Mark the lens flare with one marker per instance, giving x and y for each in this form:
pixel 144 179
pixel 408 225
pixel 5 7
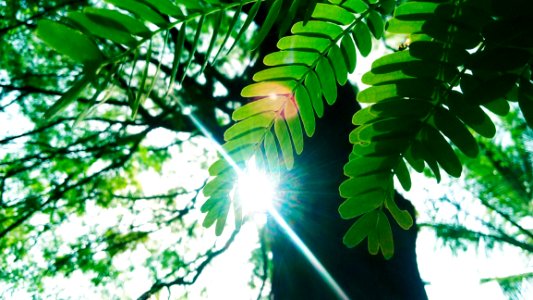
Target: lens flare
pixel 255 189
pixel 313 260
pixel 260 191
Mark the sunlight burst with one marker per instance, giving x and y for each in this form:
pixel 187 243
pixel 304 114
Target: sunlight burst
pixel 255 189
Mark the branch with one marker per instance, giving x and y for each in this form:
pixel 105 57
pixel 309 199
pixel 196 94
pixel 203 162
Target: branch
pixel 209 256
pixel 63 188
pixel 503 238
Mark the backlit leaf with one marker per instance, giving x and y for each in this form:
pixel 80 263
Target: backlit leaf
pixel 327 80
pixel 282 133
pixel 79 47
pixel 359 230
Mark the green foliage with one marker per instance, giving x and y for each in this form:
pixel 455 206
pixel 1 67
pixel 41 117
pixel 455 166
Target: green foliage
pixel 460 62
pixel 319 54
pixel 415 99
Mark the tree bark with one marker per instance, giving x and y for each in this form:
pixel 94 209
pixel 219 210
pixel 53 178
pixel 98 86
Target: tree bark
pixel 309 200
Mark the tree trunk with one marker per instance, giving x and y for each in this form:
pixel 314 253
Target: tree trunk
pixel 308 202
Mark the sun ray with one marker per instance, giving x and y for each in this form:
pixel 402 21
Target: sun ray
pixel 258 192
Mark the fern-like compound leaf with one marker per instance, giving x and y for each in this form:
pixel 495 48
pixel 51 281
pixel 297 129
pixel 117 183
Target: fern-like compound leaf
pixel 104 39
pixel 424 99
pixel 289 94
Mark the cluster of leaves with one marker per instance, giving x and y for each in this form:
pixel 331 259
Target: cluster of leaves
pixel 456 62
pixel 417 102
pixel 319 54
pixel 105 40
pixel 461 58
pixel 57 179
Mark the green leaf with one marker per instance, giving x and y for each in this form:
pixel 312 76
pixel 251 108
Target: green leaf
pixel 415 161
pixel 271 17
pixel 222 183
pixel 420 150
pixel 315 44
pixel 194 46
pixel 471 114
pixel 356 6
pixel 368 165
pixel 139 97
pixel 249 138
pixel 262 120
pixel 141 10
pixel 348 52
pixel 305 110
pixel 332 13
pixel 384 231
pixel 237 211
pixel 498 59
pixel 373 242
pixel 79 47
pixel 456 131
pixel 293 122
pixel 282 133
pixel 71 95
pixel 271 152
pixel 316 27
pixel 165 7
pixel 221 220
pixel 178 49
pixel 213 212
pixel 208 205
pixel 498 106
pixel 106 31
pixel 258 107
pixel 229 31
pixel 289 17
pixel 127 22
pixel 268 88
pixel 412 88
pixel 363 39
pixel 384 129
pixel 327 80
pixel 387 6
pixel 399 26
pixel 413 109
pixel 402 173
pixel 399 57
pixel 381 147
pixel 415 10
pixel 375 24
pixel 218 167
pixel 402 217
pixel 410 70
pixel 337 62
pixel 435 51
pixel 251 15
pixel 213 39
pixel 442 151
pixel 290 57
pixel 281 73
pixel 362 204
pixel 359 230
pixel 315 93
pixel 363 184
